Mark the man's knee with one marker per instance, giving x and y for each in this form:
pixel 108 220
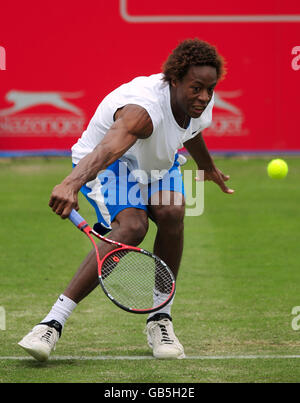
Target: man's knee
pixel 137 228
pixel 133 227
pixel 170 216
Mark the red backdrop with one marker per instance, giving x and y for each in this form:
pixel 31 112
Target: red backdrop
pixel 62 58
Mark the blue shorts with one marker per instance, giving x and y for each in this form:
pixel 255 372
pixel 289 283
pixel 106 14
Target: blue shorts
pixel 116 189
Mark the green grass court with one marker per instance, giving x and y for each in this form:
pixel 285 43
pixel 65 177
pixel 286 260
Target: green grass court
pixel 238 283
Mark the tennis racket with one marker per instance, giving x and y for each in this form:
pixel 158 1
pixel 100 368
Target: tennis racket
pixel 133 278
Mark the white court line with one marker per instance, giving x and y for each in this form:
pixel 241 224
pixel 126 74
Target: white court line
pixel 146 357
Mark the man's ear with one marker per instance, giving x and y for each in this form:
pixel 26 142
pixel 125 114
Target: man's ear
pixel 173 83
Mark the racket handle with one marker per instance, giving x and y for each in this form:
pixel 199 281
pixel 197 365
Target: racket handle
pixel 76 218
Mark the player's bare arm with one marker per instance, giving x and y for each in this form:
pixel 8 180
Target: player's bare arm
pixel 132 122
pixel 199 152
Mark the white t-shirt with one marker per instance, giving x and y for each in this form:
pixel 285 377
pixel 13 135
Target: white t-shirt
pixel 154 155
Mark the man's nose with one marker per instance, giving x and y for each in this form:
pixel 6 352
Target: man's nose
pixel 203 96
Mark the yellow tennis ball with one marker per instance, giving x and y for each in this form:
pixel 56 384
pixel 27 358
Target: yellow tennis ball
pixel 277 169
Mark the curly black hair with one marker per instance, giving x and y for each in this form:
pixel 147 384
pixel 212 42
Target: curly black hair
pixel 192 52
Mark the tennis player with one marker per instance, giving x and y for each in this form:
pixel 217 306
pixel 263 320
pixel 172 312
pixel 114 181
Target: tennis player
pixel 133 140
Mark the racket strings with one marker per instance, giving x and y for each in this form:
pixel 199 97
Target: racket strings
pixel 134 279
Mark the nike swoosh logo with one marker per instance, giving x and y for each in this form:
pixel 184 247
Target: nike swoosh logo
pixel 61 299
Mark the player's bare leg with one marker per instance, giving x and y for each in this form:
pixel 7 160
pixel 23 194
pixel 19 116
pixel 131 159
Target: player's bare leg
pixel 168 246
pixel 169 219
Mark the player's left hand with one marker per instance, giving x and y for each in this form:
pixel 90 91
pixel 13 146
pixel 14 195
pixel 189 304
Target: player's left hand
pixel 217 176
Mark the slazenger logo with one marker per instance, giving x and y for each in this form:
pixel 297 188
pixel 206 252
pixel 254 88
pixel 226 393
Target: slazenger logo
pixel 228 119
pixel 13 120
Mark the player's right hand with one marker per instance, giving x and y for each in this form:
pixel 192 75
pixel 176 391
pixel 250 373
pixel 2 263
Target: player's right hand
pixel 63 199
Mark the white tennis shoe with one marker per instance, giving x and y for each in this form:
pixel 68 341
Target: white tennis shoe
pixel 41 340
pixel 161 338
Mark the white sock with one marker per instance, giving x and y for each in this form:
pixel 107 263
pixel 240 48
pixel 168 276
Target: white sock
pixel 159 298
pixel 61 310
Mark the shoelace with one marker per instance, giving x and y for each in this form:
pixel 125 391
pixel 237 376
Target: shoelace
pixel 165 337
pixel 47 336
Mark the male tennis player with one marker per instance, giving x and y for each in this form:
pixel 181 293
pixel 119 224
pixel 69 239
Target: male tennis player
pixel 133 139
